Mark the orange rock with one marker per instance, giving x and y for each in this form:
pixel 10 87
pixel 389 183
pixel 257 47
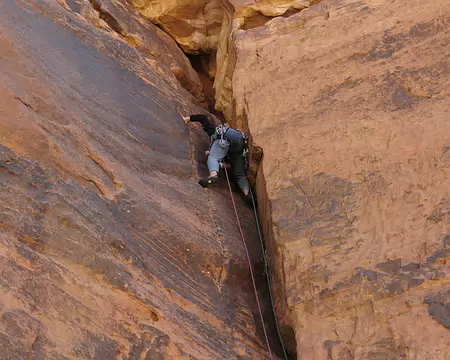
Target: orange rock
pixel 109 249
pixel 244 15
pixel 120 19
pixel 195 25
pixel 349 101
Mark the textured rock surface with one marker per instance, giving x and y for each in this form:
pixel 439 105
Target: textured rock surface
pixel 243 15
pixel 109 248
pixel 350 101
pixel 194 24
pixel 122 20
pixel 197 24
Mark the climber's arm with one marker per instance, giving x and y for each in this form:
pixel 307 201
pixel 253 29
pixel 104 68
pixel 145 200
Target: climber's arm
pixel 207 123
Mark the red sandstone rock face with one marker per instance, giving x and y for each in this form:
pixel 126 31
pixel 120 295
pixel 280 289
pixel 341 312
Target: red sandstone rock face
pixel 197 24
pixel 120 19
pixel 109 248
pixel 194 24
pixel 350 101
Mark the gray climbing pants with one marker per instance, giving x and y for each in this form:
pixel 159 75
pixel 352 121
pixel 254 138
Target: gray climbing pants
pixel 217 154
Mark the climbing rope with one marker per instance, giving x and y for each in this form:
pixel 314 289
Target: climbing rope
pixel 250 265
pixel 266 267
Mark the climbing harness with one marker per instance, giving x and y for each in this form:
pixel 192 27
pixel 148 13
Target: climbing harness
pixel 224 143
pixel 220 134
pixel 250 265
pixel 266 268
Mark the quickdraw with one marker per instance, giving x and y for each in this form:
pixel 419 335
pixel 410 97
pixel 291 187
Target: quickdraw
pixel 245 151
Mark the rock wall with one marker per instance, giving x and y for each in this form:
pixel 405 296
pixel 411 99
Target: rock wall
pixel 197 24
pixel 194 24
pixel 109 248
pixel 243 15
pixel 350 102
pixel 120 19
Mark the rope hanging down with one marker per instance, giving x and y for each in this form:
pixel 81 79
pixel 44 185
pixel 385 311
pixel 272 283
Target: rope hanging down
pixel 266 268
pixel 250 265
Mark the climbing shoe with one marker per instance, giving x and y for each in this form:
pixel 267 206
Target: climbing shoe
pixel 205 182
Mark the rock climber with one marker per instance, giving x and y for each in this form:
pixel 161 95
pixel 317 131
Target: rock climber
pixel 225 142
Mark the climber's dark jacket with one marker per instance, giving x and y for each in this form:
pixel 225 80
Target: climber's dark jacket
pixel 234 152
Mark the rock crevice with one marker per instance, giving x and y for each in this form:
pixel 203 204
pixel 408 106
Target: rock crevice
pixel 128 266
pixel 340 114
